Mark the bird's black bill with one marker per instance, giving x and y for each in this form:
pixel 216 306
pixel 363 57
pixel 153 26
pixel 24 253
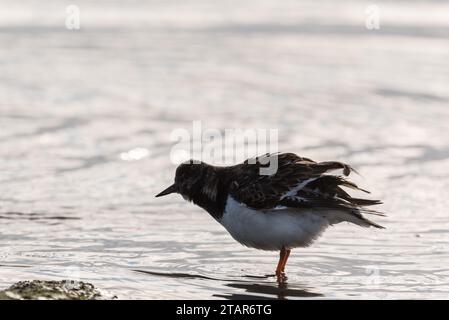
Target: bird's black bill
pixel 169 190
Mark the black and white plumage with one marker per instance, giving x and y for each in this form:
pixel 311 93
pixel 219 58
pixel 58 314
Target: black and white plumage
pixel 287 209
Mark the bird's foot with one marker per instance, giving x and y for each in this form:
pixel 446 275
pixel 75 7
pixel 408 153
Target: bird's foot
pixel 281 276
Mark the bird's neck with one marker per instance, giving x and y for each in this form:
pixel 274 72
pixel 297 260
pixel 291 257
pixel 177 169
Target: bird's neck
pixel 212 192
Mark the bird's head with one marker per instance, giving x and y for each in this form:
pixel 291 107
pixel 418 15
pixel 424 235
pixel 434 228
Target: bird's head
pixel 188 179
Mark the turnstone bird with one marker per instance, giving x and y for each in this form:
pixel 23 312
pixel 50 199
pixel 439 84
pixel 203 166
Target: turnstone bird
pixel 287 209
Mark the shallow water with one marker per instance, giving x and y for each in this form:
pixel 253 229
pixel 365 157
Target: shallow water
pixel 77 202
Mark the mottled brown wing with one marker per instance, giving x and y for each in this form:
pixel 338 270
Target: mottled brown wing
pixel 282 188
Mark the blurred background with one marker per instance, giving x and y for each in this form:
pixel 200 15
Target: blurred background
pixel 90 92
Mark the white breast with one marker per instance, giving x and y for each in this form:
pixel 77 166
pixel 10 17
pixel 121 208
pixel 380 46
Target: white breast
pixel 272 229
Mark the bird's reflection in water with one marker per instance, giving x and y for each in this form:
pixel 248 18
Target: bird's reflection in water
pixel 259 287
pixel 267 290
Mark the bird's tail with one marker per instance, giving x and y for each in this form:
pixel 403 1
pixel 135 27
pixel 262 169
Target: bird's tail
pixel 353 216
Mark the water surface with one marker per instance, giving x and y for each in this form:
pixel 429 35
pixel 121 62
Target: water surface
pixel 75 202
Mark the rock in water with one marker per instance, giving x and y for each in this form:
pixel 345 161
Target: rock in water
pixel 53 290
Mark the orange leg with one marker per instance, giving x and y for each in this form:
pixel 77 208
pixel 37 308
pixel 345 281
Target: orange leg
pixel 287 254
pixel 283 257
